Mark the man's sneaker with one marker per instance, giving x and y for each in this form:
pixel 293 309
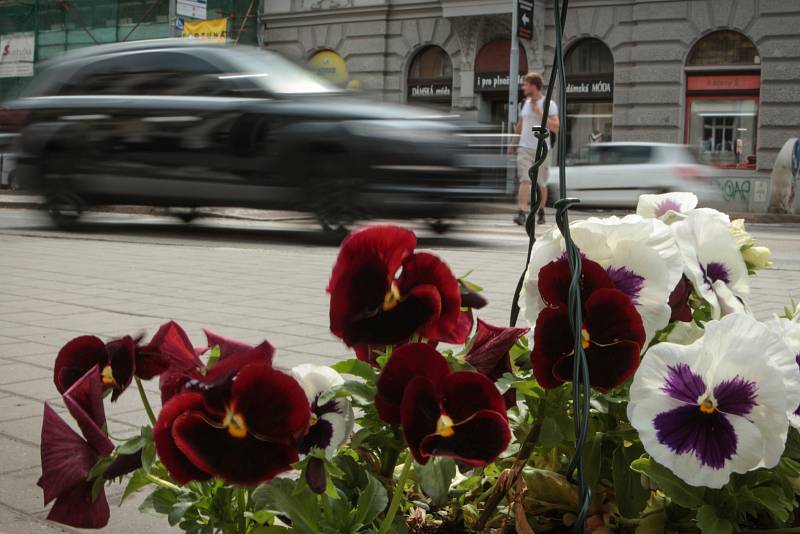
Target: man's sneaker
pixel 540 216
pixel 520 218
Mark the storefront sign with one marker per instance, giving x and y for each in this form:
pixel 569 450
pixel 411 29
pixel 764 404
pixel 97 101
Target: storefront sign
pixel 330 65
pixel 420 90
pixel 214 29
pixel 725 82
pixel 525 19
pixel 590 88
pixel 497 81
pixel 196 9
pixel 17 54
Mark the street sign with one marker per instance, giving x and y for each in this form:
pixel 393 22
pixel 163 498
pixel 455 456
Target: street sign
pixel 195 9
pixel 179 24
pixel 525 19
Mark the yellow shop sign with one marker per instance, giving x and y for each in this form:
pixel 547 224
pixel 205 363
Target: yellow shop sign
pixel 214 29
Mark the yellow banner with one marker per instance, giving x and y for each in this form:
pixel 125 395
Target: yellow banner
pixel 214 29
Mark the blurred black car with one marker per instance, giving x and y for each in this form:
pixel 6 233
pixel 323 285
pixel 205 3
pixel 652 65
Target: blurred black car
pixel 181 124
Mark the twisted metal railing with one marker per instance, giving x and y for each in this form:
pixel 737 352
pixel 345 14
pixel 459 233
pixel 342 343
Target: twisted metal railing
pixel 581 394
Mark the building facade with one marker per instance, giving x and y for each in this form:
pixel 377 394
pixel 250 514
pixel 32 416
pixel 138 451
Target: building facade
pixel 719 75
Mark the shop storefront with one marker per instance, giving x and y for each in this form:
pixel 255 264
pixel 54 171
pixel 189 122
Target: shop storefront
pixel 589 68
pixel 430 79
pixel 492 79
pixel 723 82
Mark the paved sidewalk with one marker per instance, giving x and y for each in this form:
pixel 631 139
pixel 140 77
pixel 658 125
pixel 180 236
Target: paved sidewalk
pixel 55 286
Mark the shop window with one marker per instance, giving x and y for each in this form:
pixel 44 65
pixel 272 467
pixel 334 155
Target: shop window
pixel 430 79
pixel 589 67
pixel 722 102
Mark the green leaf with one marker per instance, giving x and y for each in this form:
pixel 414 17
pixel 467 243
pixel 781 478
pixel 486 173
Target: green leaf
pixel 160 501
pixel 435 478
pixel 301 507
pixel 213 356
pixel 261 517
pixel 273 529
pixel 372 501
pixel 148 456
pixel 775 501
pixel 551 435
pixel 97 486
pixel 593 459
pixel 135 483
pixel 631 496
pixel 710 523
pixel 360 392
pixel 676 489
pixel 99 468
pixel 177 512
pixel 356 368
pixel 132 445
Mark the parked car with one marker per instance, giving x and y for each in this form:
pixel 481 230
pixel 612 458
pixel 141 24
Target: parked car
pixel 184 124
pixel 615 174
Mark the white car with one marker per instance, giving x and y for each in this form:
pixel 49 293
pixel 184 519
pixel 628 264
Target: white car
pixel 615 174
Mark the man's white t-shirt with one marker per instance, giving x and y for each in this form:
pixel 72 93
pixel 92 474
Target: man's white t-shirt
pixel 531 119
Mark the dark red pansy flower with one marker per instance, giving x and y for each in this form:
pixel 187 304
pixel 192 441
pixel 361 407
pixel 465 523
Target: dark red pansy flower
pixel 116 361
pixel 679 301
pixel 189 367
pixel 406 363
pixel 170 348
pixel 240 426
pixel 67 457
pixel 382 292
pixel 459 415
pixel 490 352
pixel 612 335
pixel 470 300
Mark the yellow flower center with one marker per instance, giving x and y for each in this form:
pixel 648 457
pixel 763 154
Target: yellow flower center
pixel 707 406
pixel 235 424
pixel 313 420
pixel 584 338
pixel 444 426
pixel 392 298
pixel 107 375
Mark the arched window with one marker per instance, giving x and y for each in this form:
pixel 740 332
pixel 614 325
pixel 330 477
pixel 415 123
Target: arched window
pixel 589 69
pixel 723 48
pixel 430 78
pixel 723 82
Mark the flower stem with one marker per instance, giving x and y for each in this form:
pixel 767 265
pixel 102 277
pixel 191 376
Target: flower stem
pixel 398 494
pixel 241 498
pixel 161 482
pixel 146 402
pixel 389 462
pixel 522 459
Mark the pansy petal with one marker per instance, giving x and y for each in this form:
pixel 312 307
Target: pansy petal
pixel 465 393
pixel 85 403
pixel 66 457
pixel 246 461
pixel 122 356
pixel 406 363
pixel 180 468
pixel 419 307
pixel 419 414
pixel 76 357
pixel 170 347
pixel 609 366
pixel 272 403
pixel 491 347
pixel 611 317
pixel 555 278
pixel 75 507
pixel 228 346
pixel 423 269
pixel 365 267
pixel 552 341
pixel 666 206
pixel 476 441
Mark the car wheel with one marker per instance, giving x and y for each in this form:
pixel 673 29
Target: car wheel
pixel 335 207
pixel 65 208
pixel 439 226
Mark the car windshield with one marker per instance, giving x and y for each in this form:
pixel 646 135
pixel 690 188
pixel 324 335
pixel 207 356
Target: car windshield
pixel 274 73
pixel 618 154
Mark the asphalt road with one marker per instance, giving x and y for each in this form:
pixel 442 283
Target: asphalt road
pixel 245 278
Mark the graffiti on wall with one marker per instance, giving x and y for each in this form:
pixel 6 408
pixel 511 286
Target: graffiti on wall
pixel 737 190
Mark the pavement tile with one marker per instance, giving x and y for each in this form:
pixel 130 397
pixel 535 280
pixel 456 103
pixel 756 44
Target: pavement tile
pixel 40 389
pixel 22 372
pixel 19 490
pixel 15 522
pixel 18 454
pixel 13 407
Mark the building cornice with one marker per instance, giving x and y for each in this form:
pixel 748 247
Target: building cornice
pixel 432 8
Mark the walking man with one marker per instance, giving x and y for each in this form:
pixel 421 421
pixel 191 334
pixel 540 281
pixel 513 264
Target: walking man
pixel 530 117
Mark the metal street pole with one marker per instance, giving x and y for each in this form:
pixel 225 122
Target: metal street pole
pixel 172 17
pixel 513 67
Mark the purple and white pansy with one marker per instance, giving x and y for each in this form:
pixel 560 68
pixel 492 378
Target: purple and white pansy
pixel 713 262
pixel 667 207
pixel 789 331
pixel 332 418
pixel 717 406
pixel 640 256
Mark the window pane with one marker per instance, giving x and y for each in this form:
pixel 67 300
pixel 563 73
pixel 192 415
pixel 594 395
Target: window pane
pixel 431 63
pixel 589 56
pixel 587 123
pixel 724 48
pixel 723 131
